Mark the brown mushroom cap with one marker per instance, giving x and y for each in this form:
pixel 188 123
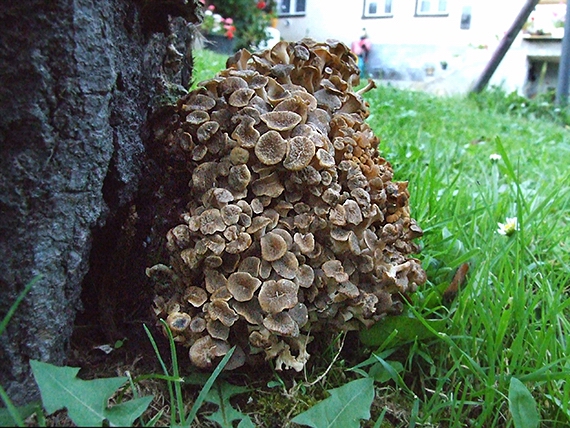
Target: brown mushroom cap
pixel 205 350
pixel 300 152
pixel 196 296
pixel 241 97
pixel 218 330
pixel 197 117
pixel 275 296
pixel 211 222
pixel 245 133
pixel 273 247
pixel 334 269
pixel 271 148
pixel 282 324
pixel 281 120
pixel 242 286
pixel 220 310
pixel 207 130
pixel 305 276
pixel 178 322
pixel 300 314
pixel 250 310
pixel 287 266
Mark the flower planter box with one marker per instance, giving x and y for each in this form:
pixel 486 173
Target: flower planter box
pixel 221 44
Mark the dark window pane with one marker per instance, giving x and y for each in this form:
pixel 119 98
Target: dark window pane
pixel 388 6
pixel 300 6
pixel 372 8
pixel 285 6
pixel 466 18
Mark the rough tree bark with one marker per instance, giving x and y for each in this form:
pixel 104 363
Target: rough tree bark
pixel 78 81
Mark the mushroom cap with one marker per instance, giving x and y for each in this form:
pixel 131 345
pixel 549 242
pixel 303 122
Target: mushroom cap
pixel 250 265
pixel 200 102
pixel 287 266
pixel 300 314
pixel 205 350
pixel 196 296
pixel 334 269
pixel 178 322
pixel 305 242
pixel 197 117
pixel 211 222
pixel 281 120
pixel 273 247
pixel 305 276
pixel 250 310
pixel 241 97
pixel 197 325
pixel 239 177
pixel 245 133
pixel 282 324
pixel 300 152
pixel 275 296
pixel 218 330
pixel 220 310
pixel 269 185
pixel 207 130
pixel 242 286
pixel 271 148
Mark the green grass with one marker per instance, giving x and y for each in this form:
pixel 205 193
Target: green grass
pixel 511 317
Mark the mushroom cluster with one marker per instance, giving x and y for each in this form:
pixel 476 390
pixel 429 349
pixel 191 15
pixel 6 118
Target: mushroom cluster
pixel 293 224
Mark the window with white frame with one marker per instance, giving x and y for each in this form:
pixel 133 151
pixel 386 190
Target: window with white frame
pixel 291 7
pixel 377 8
pixel 431 7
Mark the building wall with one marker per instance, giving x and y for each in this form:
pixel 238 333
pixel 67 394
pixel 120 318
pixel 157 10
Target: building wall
pixel 408 47
pixel 343 21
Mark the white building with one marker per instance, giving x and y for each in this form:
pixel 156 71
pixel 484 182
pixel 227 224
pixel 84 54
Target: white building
pixel 426 40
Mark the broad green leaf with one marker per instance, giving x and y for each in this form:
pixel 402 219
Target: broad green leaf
pixel 220 395
pixel 125 414
pixel 522 405
pixel 381 375
pixel 345 407
pixel 86 401
pixel 408 328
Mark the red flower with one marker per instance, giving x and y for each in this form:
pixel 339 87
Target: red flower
pixel 261 5
pixel 230 31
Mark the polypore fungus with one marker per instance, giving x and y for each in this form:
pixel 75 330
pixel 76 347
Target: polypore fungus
pixel 292 224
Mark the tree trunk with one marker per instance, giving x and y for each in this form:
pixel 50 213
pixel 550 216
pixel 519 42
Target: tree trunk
pixel 78 81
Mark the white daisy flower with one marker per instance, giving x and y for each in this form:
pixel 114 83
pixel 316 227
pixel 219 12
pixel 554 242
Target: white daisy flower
pixel 510 226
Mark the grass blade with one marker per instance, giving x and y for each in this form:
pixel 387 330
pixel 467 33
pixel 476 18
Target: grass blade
pixel 207 386
pixel 16 303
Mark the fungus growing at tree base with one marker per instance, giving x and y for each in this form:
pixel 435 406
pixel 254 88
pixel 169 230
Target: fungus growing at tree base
pixel 293 225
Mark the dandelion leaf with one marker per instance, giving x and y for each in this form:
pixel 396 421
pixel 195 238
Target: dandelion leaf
pixel 220 395
pixel 409 329
pixel 522 405
pixel 85 401
pixel 345 407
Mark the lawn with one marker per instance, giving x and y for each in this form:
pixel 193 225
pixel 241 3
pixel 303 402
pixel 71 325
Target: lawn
pixel 489 184
pixel 472 163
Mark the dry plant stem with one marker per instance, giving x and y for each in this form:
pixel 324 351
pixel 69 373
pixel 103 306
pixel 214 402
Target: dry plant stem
pixel 324 374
